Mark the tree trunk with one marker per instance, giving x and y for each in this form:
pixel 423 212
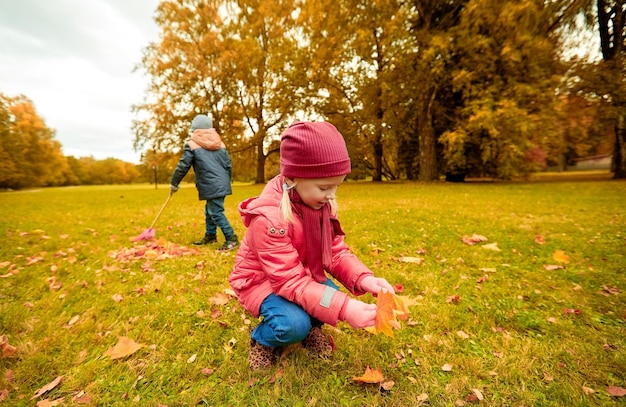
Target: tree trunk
pixel 428 170
pixel 619 153
pixel 260 163
pixel 378 160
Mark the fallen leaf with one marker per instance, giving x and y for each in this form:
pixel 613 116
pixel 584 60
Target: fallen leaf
pixel 588 390
pixel 124 347
pixel 560 256
pixel 387 385
pixel 47 387
pixel 479 394
pixel 552 267
pixel 539 239
pixel 51 403
pixel 491 246
pixel 608 291
pixel 453 299
pixel 616 391
pixel 422 397
pixel 462 335
pixel 470 240
pixel 8 350
pixel 277 375
pixel 230 292
pixel 370 376
pixel 416 260
pixel 192 358
pixel 447 367
pixel 219 299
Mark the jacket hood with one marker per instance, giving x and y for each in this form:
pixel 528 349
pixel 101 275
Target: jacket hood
pixel 267 204
pixel 209 139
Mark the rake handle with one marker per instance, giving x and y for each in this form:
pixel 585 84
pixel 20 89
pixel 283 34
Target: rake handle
pixel 161 211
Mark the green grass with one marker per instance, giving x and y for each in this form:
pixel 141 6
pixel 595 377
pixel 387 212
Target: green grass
pixel 522 349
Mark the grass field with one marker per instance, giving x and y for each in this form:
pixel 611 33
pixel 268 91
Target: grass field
pixel 533 316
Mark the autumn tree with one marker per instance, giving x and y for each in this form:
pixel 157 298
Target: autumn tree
pixel 186 76
pixel 602 80
pixel 29 154
pixel 357 52
pixel 507 71
pixel 431 27
pixel 230 59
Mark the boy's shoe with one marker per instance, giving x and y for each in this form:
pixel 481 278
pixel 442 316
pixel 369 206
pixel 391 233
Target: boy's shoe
pixel 230 243
pixel 206 240
pixel 261 357
pixel 318 343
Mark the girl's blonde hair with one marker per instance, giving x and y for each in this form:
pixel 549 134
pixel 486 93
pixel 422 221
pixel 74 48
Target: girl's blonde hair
pixel 285 202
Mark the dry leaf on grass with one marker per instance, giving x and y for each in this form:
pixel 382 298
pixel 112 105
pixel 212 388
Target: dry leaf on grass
pixel 491 246
pixel 470 240
pixel 416 260
pixel 560 256
pixel 51 403
pixel 370 376
pixel 219 299
pixel 8 350
pixel 124 347
pixel 616 391
pixel 588 390
pixel 39 392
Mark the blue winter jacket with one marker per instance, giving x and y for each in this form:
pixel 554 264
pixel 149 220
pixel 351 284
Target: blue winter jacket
pixel 211 163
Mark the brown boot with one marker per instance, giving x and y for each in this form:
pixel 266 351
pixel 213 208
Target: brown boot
pixel 261 357
pixel 318 343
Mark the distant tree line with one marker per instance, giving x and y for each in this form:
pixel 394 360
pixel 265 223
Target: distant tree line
pixel 31 157
pixel 419 88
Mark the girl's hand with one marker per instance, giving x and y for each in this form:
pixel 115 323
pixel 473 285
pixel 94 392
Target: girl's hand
pixel 373 285
pixel 359 314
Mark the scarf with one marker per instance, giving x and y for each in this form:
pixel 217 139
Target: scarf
pixel 318 233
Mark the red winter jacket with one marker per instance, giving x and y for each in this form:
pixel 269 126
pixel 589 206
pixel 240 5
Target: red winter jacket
pixel 272 259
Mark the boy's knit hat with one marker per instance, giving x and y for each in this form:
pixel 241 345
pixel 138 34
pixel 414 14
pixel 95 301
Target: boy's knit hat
pixel 201 121
pixel 313 150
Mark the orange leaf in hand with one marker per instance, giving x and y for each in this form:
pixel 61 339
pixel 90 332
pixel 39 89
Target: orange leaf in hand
pixel 389 307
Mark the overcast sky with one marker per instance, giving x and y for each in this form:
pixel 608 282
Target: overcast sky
pixel 74 60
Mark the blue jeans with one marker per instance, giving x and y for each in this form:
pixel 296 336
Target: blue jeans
pixel 215 218
pixel 284 322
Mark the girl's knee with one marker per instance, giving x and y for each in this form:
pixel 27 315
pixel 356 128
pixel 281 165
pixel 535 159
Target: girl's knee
pixel 295 331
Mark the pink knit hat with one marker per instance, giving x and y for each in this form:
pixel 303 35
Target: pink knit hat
pixel 313 150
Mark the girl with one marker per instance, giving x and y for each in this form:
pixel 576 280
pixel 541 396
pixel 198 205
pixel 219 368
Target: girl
pixel 293 239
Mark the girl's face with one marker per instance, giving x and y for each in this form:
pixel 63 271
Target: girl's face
pixel 316 192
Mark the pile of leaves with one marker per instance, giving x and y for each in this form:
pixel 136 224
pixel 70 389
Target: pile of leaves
pixel 152 250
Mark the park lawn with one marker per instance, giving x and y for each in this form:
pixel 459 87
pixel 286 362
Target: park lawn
pixel 541 321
